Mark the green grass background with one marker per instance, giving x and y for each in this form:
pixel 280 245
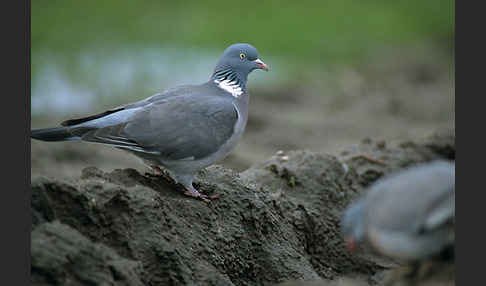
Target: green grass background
pixel 317 31
pixel 304 35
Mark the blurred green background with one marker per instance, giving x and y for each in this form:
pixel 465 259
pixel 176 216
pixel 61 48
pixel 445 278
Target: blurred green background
pixel 341 70
pixel 132 48
pixel 310 30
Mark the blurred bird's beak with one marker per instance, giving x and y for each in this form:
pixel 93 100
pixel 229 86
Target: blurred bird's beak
pixel 351 245
pixel 260 64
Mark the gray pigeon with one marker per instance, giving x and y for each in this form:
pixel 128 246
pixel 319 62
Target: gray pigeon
pixel 408 216
pixel 183 129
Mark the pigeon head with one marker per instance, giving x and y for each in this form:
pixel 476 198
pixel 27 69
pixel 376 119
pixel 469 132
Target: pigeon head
pixel 241 58
pixel 352 225
pixel 237 61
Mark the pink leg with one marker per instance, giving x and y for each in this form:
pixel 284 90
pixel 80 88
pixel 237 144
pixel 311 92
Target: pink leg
pixel 157 170
pixel 192 192
pixel 186 182
pixel 160 173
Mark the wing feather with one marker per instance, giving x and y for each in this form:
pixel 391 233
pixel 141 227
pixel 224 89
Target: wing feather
pixel 189 122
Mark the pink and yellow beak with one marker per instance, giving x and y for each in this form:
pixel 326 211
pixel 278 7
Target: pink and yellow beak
pixel 351 245
pixel 261 65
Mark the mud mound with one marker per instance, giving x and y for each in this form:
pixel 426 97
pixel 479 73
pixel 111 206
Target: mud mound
pixel 276 222
pixel 63 256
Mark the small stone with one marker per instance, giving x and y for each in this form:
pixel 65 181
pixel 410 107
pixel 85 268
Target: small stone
pixel 381 144
pixel 366 140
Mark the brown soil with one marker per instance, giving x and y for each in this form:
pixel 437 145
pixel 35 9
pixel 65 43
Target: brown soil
pixel 275 222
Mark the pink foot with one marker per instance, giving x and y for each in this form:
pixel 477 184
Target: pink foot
pixel 191 192
pixel 157 170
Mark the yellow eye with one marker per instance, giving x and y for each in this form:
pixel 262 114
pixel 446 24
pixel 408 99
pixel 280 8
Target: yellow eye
pixel 242 56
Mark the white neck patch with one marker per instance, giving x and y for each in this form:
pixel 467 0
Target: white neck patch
pixel 230 86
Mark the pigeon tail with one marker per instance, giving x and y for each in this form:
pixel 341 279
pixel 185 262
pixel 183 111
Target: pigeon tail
pixel 52 134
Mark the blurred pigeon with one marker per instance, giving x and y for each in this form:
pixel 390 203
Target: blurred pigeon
pixel 183 129
pixel 409 215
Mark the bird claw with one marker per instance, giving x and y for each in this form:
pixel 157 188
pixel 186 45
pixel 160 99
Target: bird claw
pixel 205 198
pixel 161 173
pixel 157 170
pixel 190 191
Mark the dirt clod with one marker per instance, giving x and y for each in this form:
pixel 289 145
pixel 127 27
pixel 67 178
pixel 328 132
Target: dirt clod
pixel 275 222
